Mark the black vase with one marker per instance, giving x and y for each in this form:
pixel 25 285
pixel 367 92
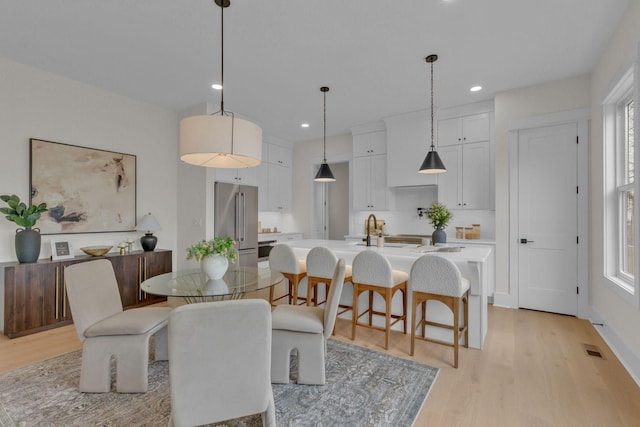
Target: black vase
pixel 27 244
pixel 439 235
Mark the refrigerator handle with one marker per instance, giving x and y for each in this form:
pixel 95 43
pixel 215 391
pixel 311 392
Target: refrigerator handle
pixel 237 217
pixel 244 218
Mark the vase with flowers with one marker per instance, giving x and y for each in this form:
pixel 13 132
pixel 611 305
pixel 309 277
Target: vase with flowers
pixel 439 216
pixel 27 240
pixel 214 255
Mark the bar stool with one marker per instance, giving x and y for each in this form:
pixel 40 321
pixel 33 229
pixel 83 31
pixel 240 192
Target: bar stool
pixel 283 260
pixel 436 278
pixel 372 272
pixel 321 263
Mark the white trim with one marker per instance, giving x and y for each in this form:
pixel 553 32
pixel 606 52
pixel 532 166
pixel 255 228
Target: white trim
pixel 551 119
pixel 629 360
pixel 506 300
pixel 378 126
pixel 466 110
pixel 581 117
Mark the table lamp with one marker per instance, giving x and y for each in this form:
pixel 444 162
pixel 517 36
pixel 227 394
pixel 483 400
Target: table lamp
pixel 148 224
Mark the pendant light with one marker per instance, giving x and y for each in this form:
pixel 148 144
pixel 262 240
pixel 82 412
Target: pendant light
pixel 324 173
pixel 432 163
pixel 220 140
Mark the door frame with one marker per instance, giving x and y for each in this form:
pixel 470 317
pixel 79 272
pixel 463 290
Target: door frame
pixel 581 117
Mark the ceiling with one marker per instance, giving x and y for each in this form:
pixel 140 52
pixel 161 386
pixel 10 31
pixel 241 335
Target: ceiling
pixel 278 53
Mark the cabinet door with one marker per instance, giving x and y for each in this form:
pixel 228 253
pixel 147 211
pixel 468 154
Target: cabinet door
pixel 449 132
pixel 154 264
pixel 450 182
pixel 278 155
pixel 33 298
pixel 361 183
pixel 379 190
pixel 369 144
pixel 262 174
pixel 475 128
pixel 226 175
pixel 476 176
pixel 280 187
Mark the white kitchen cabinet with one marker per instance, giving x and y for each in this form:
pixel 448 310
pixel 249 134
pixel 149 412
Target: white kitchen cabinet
pixel 279 188
pixel 244 176
pixel 278 155
pixel 369 143
pixel 465 129
pixel 408 141
pixel 287 237
pixel 467 182
pixel 370 191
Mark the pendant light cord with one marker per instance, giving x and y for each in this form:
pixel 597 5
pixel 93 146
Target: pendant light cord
pixel 432 146
pixel 222 58
pixel 324 132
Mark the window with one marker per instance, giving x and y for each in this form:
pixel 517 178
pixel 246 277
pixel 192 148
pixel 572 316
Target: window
pixel 620 185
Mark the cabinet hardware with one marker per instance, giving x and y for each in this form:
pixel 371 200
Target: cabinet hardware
pixel 525 241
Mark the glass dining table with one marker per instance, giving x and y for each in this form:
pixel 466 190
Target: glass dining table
pixel 194 286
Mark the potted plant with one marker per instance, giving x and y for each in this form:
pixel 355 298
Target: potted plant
pixel 439 216
pixel 27 240
pixel 214 255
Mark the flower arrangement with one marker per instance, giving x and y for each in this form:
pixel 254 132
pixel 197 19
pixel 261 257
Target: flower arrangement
pixel 19 213
pixel 215 246
pixel 439 215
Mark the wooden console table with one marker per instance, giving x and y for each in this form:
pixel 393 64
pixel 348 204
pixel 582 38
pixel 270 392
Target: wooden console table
pixel 35 298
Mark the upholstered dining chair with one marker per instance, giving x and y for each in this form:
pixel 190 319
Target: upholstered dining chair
pixel 106 330
pixel 436 278
pixel 321 262
pixel 372 272
pixel 307 330
pixel 220 362
pixel 283 260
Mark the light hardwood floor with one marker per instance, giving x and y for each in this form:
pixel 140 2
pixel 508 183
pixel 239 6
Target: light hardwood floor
pixel 533 371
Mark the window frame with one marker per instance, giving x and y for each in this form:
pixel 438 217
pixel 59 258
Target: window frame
pixel 616 187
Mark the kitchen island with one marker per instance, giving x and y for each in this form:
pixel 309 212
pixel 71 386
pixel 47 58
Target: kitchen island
pixel 472 262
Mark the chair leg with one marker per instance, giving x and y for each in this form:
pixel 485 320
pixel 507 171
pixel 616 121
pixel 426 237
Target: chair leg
pixel 370 308
pixel 387 326
pixel 456 330
pixel 311 286
pixel 161 344
pixel 354 312
pixel 414 305
pixel 424 318
pixel 466 319
pixel 404 309
pixel 95 372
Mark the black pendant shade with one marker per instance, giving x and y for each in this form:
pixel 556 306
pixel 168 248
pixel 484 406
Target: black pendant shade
pixel 324 174
pixel 432 164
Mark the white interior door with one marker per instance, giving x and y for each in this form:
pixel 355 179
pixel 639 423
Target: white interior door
pixel 548 219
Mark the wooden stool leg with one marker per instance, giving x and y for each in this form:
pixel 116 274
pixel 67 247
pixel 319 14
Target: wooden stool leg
pixel 370 308
pixel 414 305
pixel 424 317
pixel 310 286
pixel 404 308
pixel 295 290
pixel 466 319
pixel 354 313
pixel 456 330
pixel 387 326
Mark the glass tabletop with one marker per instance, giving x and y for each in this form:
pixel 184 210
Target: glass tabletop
pixel 194 285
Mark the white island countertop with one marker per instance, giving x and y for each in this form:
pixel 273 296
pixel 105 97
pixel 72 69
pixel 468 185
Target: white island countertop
pixel 471 260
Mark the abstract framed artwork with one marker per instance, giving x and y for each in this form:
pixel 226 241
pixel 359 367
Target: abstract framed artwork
pixel 86 190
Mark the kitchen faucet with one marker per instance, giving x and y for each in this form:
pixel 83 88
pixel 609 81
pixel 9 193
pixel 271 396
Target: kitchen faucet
pixel 375 223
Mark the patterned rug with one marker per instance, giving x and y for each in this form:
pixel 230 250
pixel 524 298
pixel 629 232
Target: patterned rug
pixel 364 388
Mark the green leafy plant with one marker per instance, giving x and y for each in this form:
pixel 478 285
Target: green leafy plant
pixel 19 213
pixel 215 246
pixel 439 215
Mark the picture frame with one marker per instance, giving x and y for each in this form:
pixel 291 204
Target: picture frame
pixel 61 249
pixel 87 190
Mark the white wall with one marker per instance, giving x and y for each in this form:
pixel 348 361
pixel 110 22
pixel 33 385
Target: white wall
pixel 338 201
pixel 510 106
pixel 617 315
pixel 37 104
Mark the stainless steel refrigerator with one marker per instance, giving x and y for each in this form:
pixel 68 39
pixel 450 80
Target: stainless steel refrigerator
pixel 236 216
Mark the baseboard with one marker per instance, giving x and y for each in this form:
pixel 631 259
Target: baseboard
pixel 629 360
pixel 501 299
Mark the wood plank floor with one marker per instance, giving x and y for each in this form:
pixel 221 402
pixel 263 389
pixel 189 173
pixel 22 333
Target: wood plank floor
pixel 533 371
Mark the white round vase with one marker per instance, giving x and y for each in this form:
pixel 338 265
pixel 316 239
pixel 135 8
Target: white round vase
pixel 214 266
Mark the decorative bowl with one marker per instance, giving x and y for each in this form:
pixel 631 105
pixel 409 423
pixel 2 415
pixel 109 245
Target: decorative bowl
pixel 96 250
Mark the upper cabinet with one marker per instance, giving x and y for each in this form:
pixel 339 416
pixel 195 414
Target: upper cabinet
pixel 275 178
pixel 244 176
pixel 277 155
pixel 408 141
pixel 466 148
pixel 465 129
pixel 370 188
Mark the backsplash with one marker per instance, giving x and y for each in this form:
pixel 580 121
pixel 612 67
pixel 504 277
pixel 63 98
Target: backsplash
pixel 404 218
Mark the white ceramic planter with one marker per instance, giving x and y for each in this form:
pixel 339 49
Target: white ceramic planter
pixel 214 266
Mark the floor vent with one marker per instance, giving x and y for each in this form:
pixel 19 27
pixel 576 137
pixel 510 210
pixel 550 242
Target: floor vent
pixel 593 351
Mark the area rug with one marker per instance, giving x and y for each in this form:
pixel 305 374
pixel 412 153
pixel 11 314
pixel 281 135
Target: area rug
pixel 364 388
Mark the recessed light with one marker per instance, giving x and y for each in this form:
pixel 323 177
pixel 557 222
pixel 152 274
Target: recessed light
pixel 216 86
pixel 304 125
pixel 476 88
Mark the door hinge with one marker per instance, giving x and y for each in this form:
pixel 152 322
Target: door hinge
pixel 577 139
pixel 577 189
pixel 577 240
pixel 577 290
